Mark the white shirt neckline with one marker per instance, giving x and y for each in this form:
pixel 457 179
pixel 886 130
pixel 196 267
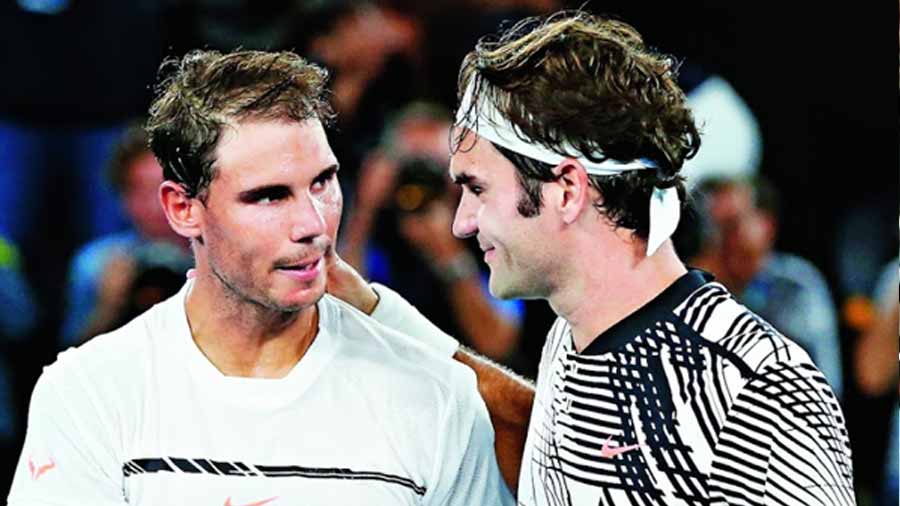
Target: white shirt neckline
pixel 259 392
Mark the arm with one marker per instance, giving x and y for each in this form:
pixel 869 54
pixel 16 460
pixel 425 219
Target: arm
pixel 66 459
pixel 508 398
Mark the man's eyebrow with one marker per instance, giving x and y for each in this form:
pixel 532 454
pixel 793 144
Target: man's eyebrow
pixel 262 191
pixel 463 178
pixel 333 167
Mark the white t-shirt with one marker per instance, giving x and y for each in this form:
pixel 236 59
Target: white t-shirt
pixel 368 416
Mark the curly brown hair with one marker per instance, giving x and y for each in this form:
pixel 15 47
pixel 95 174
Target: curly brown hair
pixel 580 80
pixel 208 90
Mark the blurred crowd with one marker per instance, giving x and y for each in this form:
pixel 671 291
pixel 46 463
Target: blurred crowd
pixel 84 245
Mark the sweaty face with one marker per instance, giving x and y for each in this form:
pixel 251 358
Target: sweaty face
pixel 272 212
pixel 517 249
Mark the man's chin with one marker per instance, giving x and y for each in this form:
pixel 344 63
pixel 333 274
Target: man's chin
pixel 307 296
pixel 301 299
pixel 501 290
pixel 506 290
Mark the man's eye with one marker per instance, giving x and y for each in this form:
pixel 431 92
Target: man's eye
pixel 323 179
pixel 269 196
pixel 475 189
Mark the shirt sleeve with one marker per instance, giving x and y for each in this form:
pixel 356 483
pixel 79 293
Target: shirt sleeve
pixel 465 465
pixel 393 311
pixel 67 459
pixel 784 442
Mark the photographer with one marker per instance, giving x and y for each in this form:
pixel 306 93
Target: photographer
pixel 102 271
pixel 397 234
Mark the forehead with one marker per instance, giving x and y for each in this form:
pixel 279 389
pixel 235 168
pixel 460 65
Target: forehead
pixel 477 157
pixel 258 150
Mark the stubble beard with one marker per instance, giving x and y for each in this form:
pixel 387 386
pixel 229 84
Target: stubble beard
pixel 513 281
pixel 240 294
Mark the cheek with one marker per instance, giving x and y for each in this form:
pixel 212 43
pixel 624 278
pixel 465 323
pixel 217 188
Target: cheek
pixel 331 206
pixel 228 242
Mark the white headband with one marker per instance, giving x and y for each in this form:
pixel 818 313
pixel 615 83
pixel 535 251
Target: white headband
pixel 489 123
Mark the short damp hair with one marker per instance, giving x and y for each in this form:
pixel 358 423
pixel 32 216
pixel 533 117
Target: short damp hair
pixel 206 90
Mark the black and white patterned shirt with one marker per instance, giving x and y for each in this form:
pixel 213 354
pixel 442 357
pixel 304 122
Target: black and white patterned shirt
pixel 691 400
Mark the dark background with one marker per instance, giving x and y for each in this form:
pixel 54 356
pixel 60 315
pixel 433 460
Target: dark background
pixel 822 82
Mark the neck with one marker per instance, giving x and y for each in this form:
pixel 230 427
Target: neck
pixel 594 299
pixel 243 338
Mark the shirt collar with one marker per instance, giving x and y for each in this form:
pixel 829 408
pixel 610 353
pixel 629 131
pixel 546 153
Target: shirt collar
pixel 647 315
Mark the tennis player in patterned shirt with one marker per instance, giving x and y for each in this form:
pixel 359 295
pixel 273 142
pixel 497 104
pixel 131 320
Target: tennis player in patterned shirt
pixel 656 386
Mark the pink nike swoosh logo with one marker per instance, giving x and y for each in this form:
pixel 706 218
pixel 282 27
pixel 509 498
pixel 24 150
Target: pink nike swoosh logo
pixel 258 503
pixel 609 452
pixel 38 471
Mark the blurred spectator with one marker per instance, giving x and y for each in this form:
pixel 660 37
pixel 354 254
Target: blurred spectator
pixel 18 316
pixel 103 271
pixel 788 291
pixel 371 54
pixel 875 360
pixel 875 363
pixel 865 238
pixel 74 72
pixel 398 233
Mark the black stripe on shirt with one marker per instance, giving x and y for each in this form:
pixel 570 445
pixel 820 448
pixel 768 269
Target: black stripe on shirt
pixel 237 469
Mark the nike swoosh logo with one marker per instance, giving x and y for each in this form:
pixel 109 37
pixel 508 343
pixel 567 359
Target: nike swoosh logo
pixel 609 452
pixel 258 503
pixel 38 471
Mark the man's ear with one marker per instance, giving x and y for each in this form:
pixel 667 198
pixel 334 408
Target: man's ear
pixel 185 214
pixel 572 189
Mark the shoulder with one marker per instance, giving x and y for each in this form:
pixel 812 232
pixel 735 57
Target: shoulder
pixel 388 355
pixel 93 394
pixel 109 365
pixel 737 334
pixel 786 435
pixel 795 405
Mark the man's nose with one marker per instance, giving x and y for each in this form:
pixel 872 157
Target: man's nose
pixel 465 223
pixel 307 220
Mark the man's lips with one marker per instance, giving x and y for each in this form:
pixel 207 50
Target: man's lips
pixel 301 264
pixel 306 270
